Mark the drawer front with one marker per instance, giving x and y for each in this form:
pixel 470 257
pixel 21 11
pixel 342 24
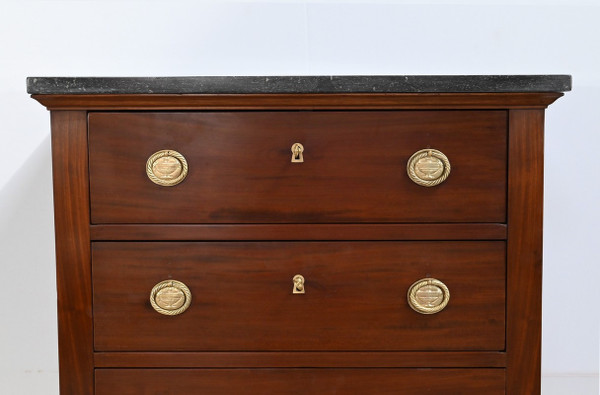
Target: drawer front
pixel 355 296
pixel 354 169
pixel 300 381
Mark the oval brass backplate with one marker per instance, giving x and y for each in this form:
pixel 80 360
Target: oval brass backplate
pixel 166 168
pixel 428 296
pixel 428 167
pixel 170 297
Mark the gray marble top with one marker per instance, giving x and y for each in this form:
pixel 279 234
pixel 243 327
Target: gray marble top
pixel 299 84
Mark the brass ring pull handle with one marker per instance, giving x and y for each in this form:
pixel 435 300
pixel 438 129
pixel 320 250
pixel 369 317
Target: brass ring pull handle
pixel 428 296
pixel 298 284
pixel 170 297
pixel 166 168
pixel 428 167
pixel 297 150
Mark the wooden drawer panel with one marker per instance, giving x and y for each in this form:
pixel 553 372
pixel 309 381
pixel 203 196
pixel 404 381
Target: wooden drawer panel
pixel 356 296
pixel 354 168
pixel 300 381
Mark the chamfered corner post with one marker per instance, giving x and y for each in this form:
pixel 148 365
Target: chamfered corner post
pixel 73 259
pixel 524 251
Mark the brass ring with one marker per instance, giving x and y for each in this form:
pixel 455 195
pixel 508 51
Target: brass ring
pixel 173 165
pixel 428 296
pixel 428 167
pixel 174 297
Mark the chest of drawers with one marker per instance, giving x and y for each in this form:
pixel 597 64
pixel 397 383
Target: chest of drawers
pixel 343 235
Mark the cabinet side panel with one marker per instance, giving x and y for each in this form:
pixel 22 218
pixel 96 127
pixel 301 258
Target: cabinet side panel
pixel 73 269
pixel 524 265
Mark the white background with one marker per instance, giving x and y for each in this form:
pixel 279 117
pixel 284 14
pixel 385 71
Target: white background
pixel 172 38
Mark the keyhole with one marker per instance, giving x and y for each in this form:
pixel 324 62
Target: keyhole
pixel 298 284
pixel 297 150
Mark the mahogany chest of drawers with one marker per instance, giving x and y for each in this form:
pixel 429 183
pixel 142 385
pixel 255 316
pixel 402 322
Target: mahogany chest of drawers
pixel 329 235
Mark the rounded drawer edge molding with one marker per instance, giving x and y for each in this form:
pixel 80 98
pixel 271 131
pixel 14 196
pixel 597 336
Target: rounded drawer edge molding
pixel 166 168
pixel 428 167
pixel 428 296
pixel 170 297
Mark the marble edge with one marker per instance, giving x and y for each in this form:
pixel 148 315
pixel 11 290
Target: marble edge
pixel 299 84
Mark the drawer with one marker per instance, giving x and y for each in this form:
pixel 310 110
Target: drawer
pixel 300 381
pixel 239 167
pixel 355 296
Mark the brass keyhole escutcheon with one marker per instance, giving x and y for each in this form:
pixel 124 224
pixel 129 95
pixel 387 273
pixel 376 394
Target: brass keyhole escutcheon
pixel 166 168
pixel 297 150
pixel 428 167
pixel 428 296
pixel 170 297
pixel 298 284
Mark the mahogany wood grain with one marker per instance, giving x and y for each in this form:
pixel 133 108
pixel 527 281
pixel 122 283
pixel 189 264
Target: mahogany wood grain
pixel 208 232
pixel 354 167
pixel 300 381
pixel 374 101
pixel 73 268
pixel 299 359
pixel 352 332
pixel 524 254
pixel 242 296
